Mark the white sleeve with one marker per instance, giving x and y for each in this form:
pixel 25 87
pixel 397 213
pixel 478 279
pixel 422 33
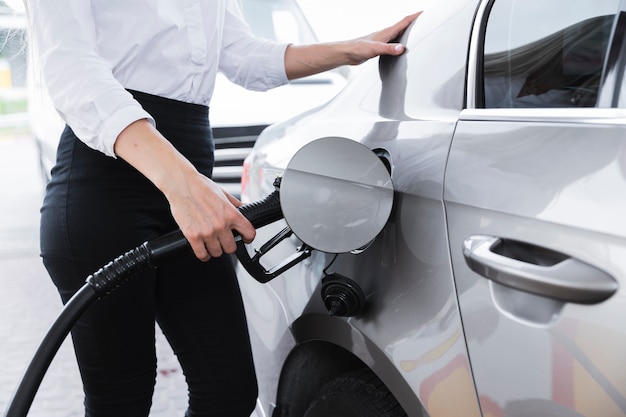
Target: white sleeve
pixel 254 63
pixel 80 83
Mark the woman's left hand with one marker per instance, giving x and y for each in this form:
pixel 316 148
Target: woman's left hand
pixel 304 60
pixel 378 43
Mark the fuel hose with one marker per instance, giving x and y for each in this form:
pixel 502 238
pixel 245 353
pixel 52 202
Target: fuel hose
pixel 148 255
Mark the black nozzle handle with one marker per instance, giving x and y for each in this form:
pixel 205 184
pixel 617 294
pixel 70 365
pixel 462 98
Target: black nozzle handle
pixel 253 264
pixel 259 213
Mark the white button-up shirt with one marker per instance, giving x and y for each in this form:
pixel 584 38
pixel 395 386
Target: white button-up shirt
pixel 91 51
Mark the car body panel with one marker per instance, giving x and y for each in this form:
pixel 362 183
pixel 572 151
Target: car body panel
pixel 411 334
pixel 550 181
pixel 496 288
pixel 543 185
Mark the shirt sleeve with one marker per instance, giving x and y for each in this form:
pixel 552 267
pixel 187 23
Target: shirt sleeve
pixel 254 63
pixel 80 82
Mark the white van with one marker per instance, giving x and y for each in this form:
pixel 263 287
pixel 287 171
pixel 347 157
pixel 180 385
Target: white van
pixel 237 115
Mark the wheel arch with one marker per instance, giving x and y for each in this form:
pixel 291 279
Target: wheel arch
pixel 327 347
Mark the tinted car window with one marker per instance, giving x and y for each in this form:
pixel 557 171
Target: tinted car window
pixel 546 53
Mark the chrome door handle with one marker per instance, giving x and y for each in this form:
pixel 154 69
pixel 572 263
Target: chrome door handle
pixel 555 276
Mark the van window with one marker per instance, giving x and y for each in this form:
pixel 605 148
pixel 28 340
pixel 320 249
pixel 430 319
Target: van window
pixel 546 53
pixel 277 20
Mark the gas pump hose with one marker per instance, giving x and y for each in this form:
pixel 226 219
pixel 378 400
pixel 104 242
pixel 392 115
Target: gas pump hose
pixel 148 255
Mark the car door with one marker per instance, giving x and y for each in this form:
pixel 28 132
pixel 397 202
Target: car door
pixel 535 198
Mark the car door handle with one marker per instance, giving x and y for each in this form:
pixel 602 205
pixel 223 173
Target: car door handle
pixel 537 270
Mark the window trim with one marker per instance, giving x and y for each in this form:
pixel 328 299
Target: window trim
pixel 568 115
pixel 474 82
pixel 614 66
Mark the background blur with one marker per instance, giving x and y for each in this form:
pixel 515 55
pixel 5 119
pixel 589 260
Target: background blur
pixel 12 63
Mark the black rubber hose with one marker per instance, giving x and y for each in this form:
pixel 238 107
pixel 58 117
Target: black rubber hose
pixel 263 212
pixel 107 279
pixel 31 380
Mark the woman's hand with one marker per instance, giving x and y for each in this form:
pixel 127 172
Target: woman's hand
pixel 304 60
pixel 205 214
pixel 376 44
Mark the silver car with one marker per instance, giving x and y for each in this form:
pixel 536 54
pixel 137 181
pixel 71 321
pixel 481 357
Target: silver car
pixel 496 287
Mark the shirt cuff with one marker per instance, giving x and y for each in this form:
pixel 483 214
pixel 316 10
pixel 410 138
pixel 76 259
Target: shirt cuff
pixel 277 74
pixel 270 62
pixel 119 121
pixel 99 121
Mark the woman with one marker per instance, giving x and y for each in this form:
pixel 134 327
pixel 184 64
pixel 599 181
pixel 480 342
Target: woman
pixel 133 79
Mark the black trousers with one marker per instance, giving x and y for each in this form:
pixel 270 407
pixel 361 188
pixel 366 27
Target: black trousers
pixel 96 208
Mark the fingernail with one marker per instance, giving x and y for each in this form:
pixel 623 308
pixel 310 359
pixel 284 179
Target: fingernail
pixel 399 48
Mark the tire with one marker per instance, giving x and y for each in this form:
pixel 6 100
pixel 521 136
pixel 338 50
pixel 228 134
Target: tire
pixel 355 394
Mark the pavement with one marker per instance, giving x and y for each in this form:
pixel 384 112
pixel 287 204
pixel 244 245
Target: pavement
pixel 29 303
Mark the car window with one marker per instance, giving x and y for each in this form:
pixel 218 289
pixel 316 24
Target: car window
pixel 278 20
pixel 546 53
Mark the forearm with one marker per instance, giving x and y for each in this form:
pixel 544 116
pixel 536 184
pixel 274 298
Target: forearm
pixel 304 60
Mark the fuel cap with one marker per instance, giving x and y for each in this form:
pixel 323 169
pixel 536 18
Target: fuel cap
pixel 336 195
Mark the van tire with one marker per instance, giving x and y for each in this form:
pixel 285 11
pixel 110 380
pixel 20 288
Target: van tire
pixel 355 394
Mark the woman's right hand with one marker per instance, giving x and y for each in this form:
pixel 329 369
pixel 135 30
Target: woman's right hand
pixel 205 214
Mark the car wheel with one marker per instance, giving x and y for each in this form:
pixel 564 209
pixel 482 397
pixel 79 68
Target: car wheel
pixel 355 394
